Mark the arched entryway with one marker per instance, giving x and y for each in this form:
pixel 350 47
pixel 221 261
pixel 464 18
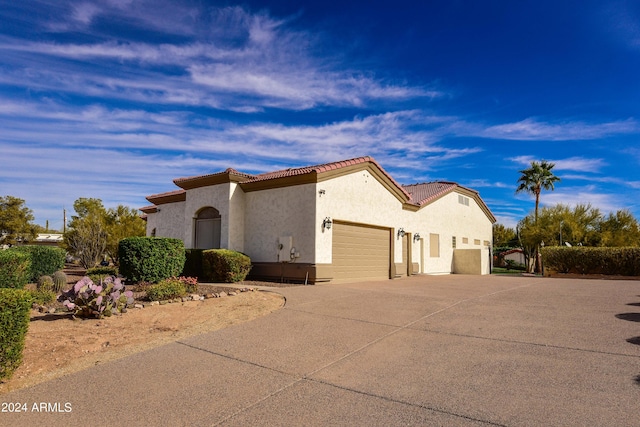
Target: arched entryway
pixel 207 229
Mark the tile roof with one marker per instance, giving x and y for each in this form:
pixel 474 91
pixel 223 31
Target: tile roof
pixel 428 191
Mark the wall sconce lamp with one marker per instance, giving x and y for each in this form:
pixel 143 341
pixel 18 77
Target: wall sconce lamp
pixel 401 232
pixel 416 237
pixel 326 223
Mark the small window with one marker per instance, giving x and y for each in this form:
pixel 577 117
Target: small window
pixel 465 240
pixel 476 242
pixel 453 242
pixel 463 200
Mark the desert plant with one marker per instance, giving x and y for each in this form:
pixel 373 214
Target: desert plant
pixel 59 281
pixel 87 299
pixel 589 260
pixel 45 260
pixel 166 289
pixel 190 283
pixel 151 259
pixel 42 296
pixel 223 265
pixel 45 283
pixel 99 273
pixel 14 269
pixel 14 320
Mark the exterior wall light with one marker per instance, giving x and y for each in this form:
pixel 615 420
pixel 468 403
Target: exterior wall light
pixel 416 237
pixel 401 232
pixel 326 223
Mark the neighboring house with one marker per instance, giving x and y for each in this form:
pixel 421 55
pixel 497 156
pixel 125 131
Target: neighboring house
pixel 516 255
pixel 345 220
pixel 48 239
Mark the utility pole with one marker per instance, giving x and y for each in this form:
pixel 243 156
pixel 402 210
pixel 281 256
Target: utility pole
pixel 64 220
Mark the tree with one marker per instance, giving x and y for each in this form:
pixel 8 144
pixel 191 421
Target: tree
pixel 620 229
pixel 536 178
pixel 503 236
pixel 15 221
pixel 533 180
pixel 122 222
pixel 87 235
pixel 96 231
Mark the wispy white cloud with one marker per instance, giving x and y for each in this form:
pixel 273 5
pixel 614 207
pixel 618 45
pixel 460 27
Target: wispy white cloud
pixel 579 164
pixel 534 130
pixel 250 61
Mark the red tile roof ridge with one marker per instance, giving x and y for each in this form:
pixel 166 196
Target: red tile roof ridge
pixel 168 193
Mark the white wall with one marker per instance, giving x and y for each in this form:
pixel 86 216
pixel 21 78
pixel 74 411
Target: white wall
pixel 215 196
pixel 168 221
pixel 272 213
pixel 357 197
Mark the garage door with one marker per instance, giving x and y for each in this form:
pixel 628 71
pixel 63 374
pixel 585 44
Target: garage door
pixel 360 251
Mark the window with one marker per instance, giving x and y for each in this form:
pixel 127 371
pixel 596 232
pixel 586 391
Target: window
pixel 476 242
pixel 453 242
pixel 434 245
pixel 465 240
pixel 463 200
pixel 487 243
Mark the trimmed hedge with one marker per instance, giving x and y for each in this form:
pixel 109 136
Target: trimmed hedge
pixel 15 268
pixel 223 265
pixel 14 323
pixel 150 259
pixel 45 260
pixel 193 263
pixel 589 260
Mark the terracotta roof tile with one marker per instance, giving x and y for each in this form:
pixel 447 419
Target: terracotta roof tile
pixel 428 191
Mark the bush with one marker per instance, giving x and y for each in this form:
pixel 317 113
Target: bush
pixel 14 323
pixel 166 289
pixel 589 260
pixel 59 281
pixel 100 273
pixel 150 259
pixel 193 263
pixel 15 269
pixel 87 299
pixel 45 260
pixel 43 296
pixel 223 265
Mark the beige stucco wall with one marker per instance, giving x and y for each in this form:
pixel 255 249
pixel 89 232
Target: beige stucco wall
pixel 236 217
pixel 279 212
pixel 356 197
pixel 215 196
pixel 471 261
pixel 167 221
pixel 447 218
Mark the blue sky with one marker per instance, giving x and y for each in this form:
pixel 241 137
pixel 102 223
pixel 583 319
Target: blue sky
pixel 114 98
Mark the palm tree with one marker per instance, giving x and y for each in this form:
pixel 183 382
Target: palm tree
pixel 536 178
pixel 533 180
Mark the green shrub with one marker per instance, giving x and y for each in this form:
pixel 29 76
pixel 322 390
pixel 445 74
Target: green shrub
pixel 45 283
pixel 59 281
pixel 589 260
pixel 100 273
pixel 14 323
pixel 150 259
pixel 42 296
pixel 15 269
pixel 193 263
pixel 223 265
pixel 45 260
pixel 166 289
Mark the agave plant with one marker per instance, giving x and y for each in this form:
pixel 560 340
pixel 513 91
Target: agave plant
pixel 87 299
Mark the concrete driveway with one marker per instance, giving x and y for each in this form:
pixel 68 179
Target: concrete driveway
pixel 427 350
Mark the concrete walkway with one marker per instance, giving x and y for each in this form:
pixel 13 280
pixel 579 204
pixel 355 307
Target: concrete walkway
pixel 427 350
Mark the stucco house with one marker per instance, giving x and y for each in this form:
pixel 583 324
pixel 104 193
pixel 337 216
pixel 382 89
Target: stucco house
pixel 347 220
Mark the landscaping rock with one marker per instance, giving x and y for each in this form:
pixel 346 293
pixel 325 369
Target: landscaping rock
pixel 232 294
pixel 222 294
pixel 138 306
pixel 155 303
